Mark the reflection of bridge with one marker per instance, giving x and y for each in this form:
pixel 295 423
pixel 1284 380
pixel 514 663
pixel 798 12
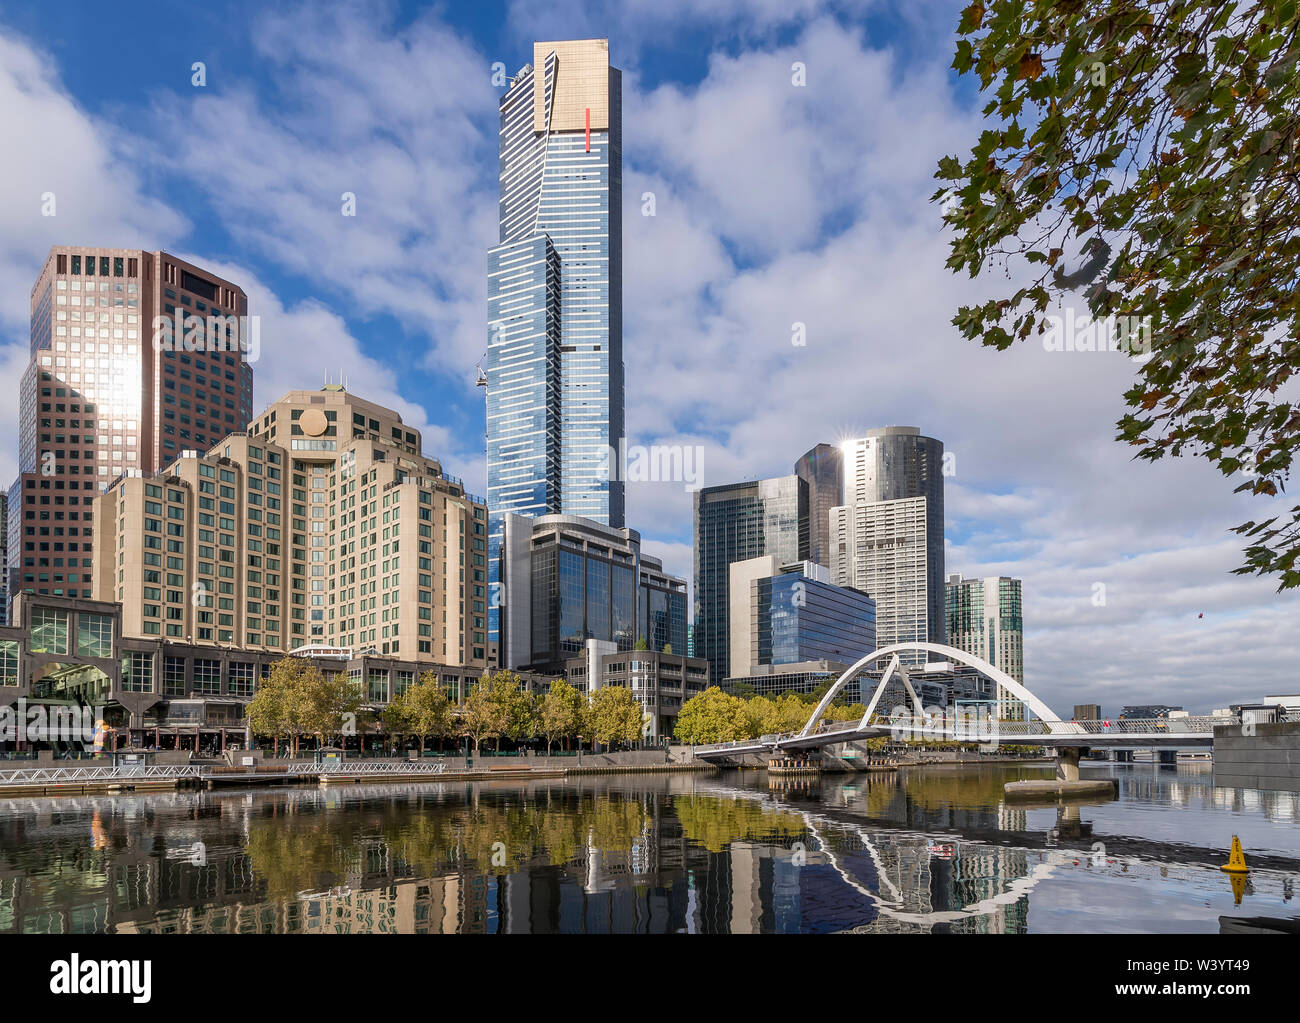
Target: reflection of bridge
pixel 1046 730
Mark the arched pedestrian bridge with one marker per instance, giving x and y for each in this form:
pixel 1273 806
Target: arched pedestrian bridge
pixel 1044 729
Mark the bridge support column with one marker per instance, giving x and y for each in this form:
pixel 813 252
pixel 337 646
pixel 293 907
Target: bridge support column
pixel 1168 756
pixel 1067 763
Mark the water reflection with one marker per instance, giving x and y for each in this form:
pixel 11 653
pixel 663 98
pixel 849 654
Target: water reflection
pixel 932 850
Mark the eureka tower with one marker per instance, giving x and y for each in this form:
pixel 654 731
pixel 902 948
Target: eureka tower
pixel 554 362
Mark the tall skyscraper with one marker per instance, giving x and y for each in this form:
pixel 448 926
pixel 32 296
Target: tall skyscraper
pixel 736 522
pixel 107 391
pixel 822 469
pixel 984 619
pixel 888 535
pixel 554 363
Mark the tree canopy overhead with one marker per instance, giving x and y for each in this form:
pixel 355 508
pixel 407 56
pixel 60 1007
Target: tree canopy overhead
pixel 1160 138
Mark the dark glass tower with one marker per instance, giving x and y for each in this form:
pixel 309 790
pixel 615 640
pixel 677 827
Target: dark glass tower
pixel 736 522
pixel 821 469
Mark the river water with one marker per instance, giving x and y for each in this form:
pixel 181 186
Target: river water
pixel 933 849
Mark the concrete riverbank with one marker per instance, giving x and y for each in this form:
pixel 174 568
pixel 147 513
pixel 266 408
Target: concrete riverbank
pixel 92 777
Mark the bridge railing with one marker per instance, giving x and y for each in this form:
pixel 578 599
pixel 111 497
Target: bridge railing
pixel 986 730
pixel 1035 728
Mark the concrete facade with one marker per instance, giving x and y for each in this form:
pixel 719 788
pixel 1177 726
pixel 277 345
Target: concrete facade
pixel 1267 759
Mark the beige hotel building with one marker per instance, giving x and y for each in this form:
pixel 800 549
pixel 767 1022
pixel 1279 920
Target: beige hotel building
pixel 322 527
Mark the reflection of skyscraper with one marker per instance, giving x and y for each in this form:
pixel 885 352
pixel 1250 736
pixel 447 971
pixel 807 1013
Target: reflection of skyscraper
pixel 554 364
pixel 888 535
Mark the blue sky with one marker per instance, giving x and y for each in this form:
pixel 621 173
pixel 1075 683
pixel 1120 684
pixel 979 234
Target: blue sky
pixel 775 205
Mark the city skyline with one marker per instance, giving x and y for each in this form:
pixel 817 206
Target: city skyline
pixel 1040 490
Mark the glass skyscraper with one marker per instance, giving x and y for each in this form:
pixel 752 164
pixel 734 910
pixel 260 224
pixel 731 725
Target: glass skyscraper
pixel 985 619
pixel 821 468
pixel 887 537
pixel 736 522
pixel 554 363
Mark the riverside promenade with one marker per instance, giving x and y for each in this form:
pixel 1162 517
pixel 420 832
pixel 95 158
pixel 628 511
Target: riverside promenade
pixel 79 777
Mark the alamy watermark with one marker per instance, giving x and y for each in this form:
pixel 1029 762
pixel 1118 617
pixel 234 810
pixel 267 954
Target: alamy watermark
pixel 1083 333
pixel 42 723
pixel 656 463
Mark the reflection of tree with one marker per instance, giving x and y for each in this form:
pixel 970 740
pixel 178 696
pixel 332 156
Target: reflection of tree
pixel 295 853
pixel 714 822
pixel 557 824
pixel 941 789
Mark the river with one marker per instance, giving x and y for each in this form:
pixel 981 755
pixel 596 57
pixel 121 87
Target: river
pixel 924 850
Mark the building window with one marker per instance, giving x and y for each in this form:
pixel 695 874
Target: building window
pixel 94 635
pixel 173 676
pixel 8 662
pixel 137 672
pixel 207 677
pixel 49 631
pixel 241 678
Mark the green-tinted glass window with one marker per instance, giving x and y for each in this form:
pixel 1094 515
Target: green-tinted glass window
pixel 94 635
pixel 49 631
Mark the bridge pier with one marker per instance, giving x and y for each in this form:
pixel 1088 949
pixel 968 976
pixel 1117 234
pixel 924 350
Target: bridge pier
pixel 1067 763
pixel 1167 756
pixel 1122 756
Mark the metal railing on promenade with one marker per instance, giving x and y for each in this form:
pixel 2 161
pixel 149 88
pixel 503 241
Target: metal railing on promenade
pixel 57 773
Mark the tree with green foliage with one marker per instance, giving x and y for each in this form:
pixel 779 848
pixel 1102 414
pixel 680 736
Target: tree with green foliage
pixel 397 717
pixel 1162 138
pixel 616 716
pixel 288 702
pixel 428 708
pixel 641 644
pixel 334 702
pixel 710 716
pixel 562 713
pixel 496 705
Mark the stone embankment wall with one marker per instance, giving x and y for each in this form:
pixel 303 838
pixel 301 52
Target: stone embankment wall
pixel 1269 759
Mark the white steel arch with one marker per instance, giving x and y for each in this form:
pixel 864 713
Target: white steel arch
pixel 1044 712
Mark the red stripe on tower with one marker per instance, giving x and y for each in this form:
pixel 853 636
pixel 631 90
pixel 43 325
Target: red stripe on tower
pixel 589 129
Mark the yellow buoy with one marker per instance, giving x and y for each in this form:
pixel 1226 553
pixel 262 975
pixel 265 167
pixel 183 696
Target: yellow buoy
pixel 1236 859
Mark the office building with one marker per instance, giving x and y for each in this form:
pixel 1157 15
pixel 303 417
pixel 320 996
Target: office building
pixel 554 363
pixel 660 681
pixel 792 613
pixel 1148 711
pixel 985 620
pixel 113 387
pixel 569 580
pixel 736 522
pixel 807 677
pixel 1087 712
pixel 887 537
pixel 822 469
pixel 322 526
